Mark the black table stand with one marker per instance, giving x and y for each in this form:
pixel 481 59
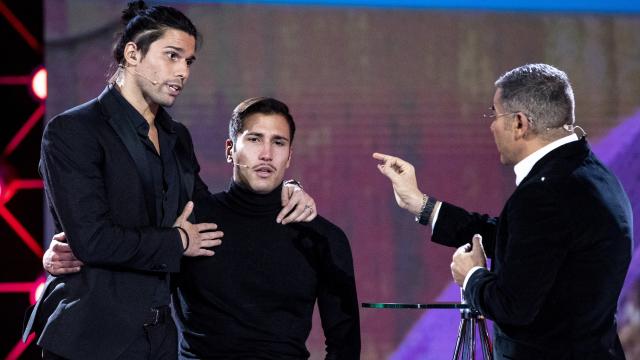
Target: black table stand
pixel 466 341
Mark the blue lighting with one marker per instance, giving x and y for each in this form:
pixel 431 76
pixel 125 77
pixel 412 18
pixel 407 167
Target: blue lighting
pixel 593 6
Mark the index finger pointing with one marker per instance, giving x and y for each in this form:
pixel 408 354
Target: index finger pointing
pixel 382 157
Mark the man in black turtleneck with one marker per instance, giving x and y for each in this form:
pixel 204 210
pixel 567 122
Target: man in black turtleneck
pixel 255 298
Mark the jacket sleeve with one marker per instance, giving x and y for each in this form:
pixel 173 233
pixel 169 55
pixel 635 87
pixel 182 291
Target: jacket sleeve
pixel 200 189
pixel 71 164
pixel 455 227
pixel 338 300
pixel 536 246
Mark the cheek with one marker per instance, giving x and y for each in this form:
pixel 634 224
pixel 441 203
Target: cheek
pixel 241 157
pixel 242 151
pixel 284 158
pixel 492 127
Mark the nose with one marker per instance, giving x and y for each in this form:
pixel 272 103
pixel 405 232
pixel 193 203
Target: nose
pixel 182 71
pixel 265 152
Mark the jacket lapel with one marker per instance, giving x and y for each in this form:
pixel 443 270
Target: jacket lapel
pixel 186 175
pixel 127 133
pixel 180 150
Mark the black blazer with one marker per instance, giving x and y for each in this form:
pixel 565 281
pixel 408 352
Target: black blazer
pixel 560 251
pixel 95 177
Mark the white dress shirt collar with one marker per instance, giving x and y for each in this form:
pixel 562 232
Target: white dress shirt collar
pixel 525 165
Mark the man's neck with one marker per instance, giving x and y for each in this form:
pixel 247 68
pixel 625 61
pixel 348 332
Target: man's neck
pixel 532 146
pixel 248 188
pixel 134 96
pixel 538 142
pixel 525 165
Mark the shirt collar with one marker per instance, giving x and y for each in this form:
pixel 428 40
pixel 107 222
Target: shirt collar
pixel 525 165
pixel 162 117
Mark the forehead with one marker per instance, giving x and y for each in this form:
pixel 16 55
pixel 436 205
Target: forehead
pixel 273 124
pixel 497 96
pixel 177 39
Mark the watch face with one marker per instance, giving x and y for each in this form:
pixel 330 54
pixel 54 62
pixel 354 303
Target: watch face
pixel 293 182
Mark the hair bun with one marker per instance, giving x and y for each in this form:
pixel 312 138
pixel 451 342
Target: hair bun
pixel 133 9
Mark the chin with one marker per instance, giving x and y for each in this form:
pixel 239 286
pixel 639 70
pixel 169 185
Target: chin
pixel 262 188
pixel 167 103
pixel 508 162
pixel 164 100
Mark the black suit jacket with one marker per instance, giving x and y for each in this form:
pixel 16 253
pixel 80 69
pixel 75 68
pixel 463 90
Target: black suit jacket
pixel 96 181
pixel 560 251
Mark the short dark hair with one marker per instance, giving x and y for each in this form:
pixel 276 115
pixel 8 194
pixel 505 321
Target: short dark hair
pixel 542 92
pixel 143 25
pixel 259 105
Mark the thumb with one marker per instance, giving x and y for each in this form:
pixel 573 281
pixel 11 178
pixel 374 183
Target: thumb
pixel 387 171
pixel 285 195
pixel 62 237
pixel 477 244
pixel 188 209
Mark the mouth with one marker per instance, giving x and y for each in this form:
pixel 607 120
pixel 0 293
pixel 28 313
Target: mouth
pixel 264 171
pixel 174 89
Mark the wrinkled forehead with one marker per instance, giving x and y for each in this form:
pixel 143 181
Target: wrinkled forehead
pixel 266 124
pixel 177 39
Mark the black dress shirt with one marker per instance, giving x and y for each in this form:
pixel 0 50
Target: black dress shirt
pixel 164 175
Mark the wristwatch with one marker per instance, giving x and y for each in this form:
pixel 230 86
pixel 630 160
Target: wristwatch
pixel 292 182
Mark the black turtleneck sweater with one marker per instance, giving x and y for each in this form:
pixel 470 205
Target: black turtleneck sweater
pixel 254 298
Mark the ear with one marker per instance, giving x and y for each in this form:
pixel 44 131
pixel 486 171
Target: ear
pixel 289 159
pixel 228 149
pixel 131 54
pixel 520 125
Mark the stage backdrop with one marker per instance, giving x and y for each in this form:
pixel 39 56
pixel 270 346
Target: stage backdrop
pixel 408 82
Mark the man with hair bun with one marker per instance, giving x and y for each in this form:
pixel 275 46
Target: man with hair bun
pixel 120 176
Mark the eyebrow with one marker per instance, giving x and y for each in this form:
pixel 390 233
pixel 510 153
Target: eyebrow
pixel 277 137
pixel 180 50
